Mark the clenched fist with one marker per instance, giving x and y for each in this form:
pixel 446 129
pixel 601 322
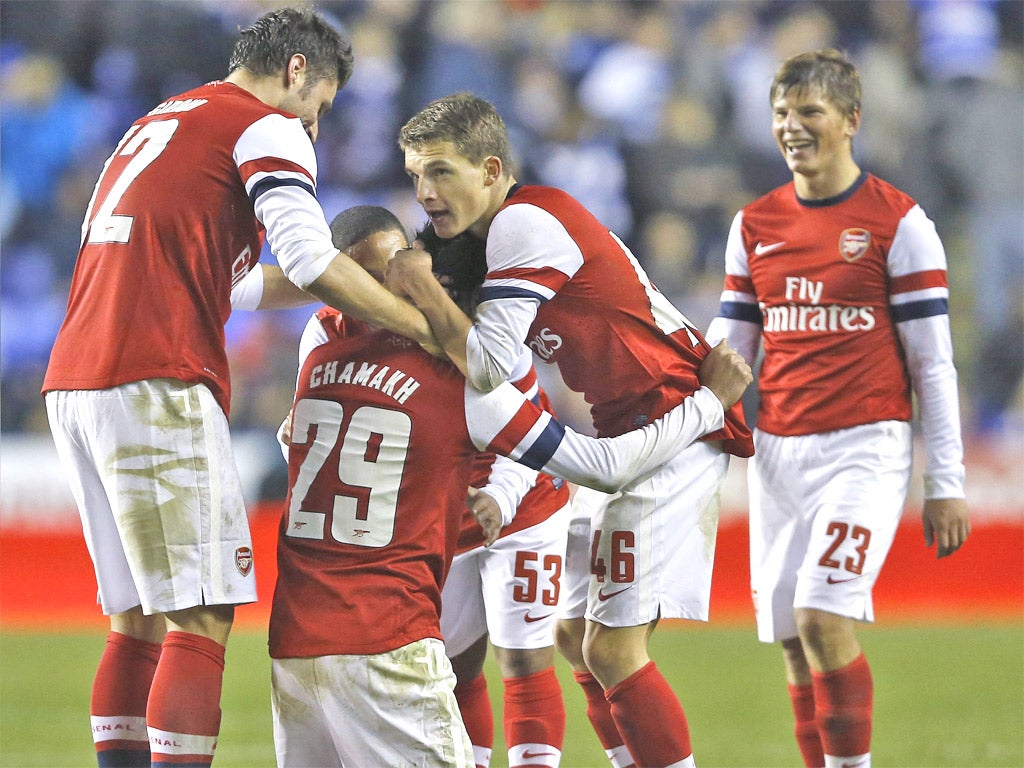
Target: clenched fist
pixel 726 373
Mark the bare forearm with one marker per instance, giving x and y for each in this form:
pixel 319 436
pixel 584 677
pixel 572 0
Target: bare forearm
pixel 450 324
pixel 346 286
pixel 281 293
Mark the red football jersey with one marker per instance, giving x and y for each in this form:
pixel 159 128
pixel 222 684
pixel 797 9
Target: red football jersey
pixel 613 335
pixel 545 498
pixel 171 227
pixel 827 282
pixel 377 476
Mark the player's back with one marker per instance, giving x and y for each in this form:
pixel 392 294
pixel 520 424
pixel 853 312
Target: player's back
pixel 380 460
pixel 169 228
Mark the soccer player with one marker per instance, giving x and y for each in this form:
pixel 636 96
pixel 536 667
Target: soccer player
pixel 137 389
pixel 381 449
pixel 507 594
pixel 571 626
pixel 844 278
pixel 560 282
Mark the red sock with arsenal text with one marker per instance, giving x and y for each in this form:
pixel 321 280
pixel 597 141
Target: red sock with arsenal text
pixel 651 719
pixel 120 691
pixel 184 703
pixel 805 726
pixel 599 714
pixel 475 705
pixel 534 720
pixel 843 701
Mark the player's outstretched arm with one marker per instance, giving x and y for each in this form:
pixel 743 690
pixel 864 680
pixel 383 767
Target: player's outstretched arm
pixel 346 286
pixel 267 287
pixel 505 421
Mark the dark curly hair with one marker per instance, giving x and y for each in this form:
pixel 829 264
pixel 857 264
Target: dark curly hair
pixel 460 264
pixel 265 47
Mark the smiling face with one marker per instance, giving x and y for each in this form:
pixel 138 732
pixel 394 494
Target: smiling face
pixel 816 140
pixel 456 193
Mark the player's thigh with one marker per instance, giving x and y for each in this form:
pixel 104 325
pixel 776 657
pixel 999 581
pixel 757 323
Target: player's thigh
pixel 780 477
pixel 302 733
pixel 522 583
pixel 116 588
pixel 857 513
pixel 397 707
pixel 463 615
pixel 576 579
pixel 163 453
pixel 653 546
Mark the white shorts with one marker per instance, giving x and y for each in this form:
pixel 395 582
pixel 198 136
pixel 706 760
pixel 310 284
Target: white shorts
pixel 823 515
pixel 353 711
pixel 151 469
pixel 576 582
pixel 654 545
pixel 510 590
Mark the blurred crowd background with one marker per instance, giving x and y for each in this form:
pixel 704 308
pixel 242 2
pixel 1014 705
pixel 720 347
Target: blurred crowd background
pixel 654 113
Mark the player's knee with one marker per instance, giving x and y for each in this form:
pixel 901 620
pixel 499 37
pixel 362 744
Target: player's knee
pixel 822 634
pixel 212 621
pixel 520 662
pixel 569 641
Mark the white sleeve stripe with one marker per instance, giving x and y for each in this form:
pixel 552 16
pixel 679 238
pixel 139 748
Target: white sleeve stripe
pixel 921 295
pixel 737 296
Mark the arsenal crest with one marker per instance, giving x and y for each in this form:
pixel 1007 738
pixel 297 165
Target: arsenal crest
pixel 243 560
pixel 853 243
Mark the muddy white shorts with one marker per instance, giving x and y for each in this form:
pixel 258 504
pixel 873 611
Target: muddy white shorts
pixel 511 590
pixel 653 546
pixel 576 582
pixel 353 711
pixel 824 510
pixel 151 469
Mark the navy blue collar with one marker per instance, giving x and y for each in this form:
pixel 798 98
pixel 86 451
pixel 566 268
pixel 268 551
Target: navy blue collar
pixel 846 195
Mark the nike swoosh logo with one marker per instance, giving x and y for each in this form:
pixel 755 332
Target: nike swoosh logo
pixel 530 619
pixel 832 580
pixel 528 755
pixel 602 596
pixel 858 764
pixel 761 249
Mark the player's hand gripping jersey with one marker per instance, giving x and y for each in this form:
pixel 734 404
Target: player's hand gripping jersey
pixel 364 403
pixel 160 250
pixel 562 283
pixel 847 329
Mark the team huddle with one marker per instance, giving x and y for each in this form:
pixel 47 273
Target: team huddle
pixel 437 509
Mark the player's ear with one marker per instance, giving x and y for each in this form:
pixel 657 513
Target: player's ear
pixel 853 123
pixel 492 169
pixel 295 69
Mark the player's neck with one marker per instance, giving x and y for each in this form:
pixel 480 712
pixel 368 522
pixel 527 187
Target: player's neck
pixel 826 183
pixel 499 191
pixel 269 90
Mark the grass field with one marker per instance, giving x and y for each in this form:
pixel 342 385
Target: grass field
pixel 949 695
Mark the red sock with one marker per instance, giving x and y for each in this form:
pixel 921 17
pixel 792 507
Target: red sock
pixel 120 691
pixel 806 727
pixel 475 705
pixel 184 704
pixel 599 711
pixel 843 701
pixel 534 719
pixel 650 718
